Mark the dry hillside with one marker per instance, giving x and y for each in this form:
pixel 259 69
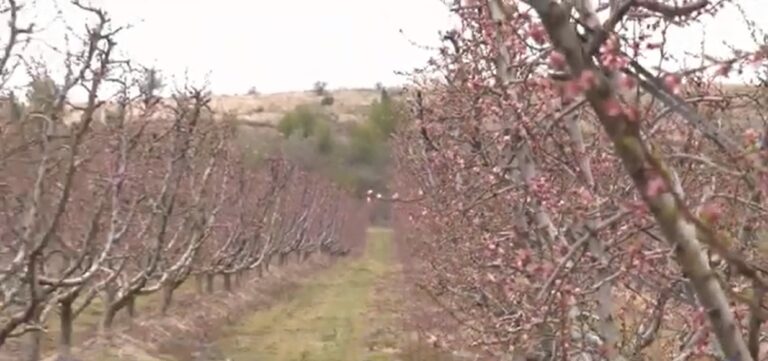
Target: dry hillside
pixel 348 105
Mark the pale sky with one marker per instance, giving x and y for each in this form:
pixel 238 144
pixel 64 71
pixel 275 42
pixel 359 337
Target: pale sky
pixel 275 45
pixel 283 45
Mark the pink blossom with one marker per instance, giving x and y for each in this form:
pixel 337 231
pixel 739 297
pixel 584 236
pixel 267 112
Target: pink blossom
pixel 655 187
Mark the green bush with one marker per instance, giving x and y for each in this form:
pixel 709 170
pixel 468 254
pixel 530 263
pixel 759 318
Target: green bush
pixel 301 121
pixel 324 138
pixel 385 114
pixel 327 100
pixel 356 155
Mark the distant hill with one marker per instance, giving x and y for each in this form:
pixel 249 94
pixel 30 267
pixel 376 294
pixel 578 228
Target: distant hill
pixel 349 105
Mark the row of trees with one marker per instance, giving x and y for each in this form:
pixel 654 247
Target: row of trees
pixel 561 200
pixel 138 200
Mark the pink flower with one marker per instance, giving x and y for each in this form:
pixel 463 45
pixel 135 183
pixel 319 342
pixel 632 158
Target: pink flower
pixel 538 33
pixel 672 82
pixel 627 82
pixel 655 187
pixel 711 212
pixel 632 113
pixel 586 196
pixel 572 89
pixel 750 136
pixel 587 79
pixel 612 107
pixel 557 60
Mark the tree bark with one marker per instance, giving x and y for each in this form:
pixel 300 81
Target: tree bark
pixel 209 278
pixel 107 320
pixel 130 307
pixel 66 319
pixel 200 283
pixel 227 282
pixel 645 168
pixel 33 347
pixel 168 289
pixel 108 317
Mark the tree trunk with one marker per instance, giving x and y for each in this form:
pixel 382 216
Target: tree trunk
pixel 199 283
pixel 107 320
pixel 33 348
pixel 108 317
pixel 130 307
pixel 680 231
pixel 227 282
pixel 66 318
pixel 239 276
pixel 209 278
pixel 168 289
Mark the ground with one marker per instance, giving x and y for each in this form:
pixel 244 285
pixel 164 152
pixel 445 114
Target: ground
pixel 349 310
pixel 329 319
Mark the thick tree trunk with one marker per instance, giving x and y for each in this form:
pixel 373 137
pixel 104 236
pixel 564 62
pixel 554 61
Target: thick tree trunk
pixel 66 318
pixel 33 347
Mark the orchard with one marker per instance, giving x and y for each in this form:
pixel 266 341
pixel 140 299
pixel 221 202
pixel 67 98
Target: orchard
pixel 128 194
pixel 567 190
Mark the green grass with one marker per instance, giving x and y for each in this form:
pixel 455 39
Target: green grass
pixel 326 320
pixel 87 323
pixel 347 312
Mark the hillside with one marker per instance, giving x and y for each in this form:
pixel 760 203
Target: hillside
pixel 349 105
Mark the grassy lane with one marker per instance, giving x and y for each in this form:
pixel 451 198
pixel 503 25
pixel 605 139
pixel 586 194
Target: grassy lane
pixel 326 320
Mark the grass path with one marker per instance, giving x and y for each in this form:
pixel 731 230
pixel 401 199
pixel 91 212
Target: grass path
pixel 329 319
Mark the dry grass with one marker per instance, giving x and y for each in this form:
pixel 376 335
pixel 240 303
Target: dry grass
pixel 345 102
pixel 189 326
pixel 349 105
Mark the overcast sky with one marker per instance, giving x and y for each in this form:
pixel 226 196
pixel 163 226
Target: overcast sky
pixel 275 45
pixel 281 45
